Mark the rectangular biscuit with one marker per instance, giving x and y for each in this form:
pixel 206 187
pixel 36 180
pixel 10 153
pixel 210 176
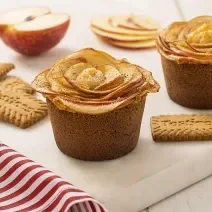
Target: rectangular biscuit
pixel 194 127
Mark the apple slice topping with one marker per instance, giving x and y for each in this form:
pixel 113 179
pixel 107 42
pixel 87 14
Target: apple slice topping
pixel 188 41
pixel 98 85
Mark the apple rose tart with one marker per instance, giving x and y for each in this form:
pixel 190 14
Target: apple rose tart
pixel 133 31
pixel 186 55
pixel 95 103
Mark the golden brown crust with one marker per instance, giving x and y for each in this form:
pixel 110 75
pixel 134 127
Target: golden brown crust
pixel 187 42
pixel 93 82
pixel 88 137
pixel 188 84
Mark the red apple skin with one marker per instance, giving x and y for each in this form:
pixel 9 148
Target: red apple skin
pixel 33 43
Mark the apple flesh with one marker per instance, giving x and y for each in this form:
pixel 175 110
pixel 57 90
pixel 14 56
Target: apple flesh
pixel 32 31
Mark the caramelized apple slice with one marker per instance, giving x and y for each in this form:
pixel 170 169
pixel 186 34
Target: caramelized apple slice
pixel 113 78
pixel 73 72
pixel 121 37
pixel 105 24
pixel 40 83
pixel 135 22
pixel 133 44
pixel 93 109
pixel 93 57
pixel 173 32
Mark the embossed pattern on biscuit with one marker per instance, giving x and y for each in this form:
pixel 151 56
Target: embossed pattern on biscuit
pixel 17 105
pixel 15 84
pixel 195 127
pixel 5 68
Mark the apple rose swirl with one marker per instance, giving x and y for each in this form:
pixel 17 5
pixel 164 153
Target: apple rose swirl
pixel 187 42
pixel 93 82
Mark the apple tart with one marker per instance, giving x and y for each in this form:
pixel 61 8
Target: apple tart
pixel 133 31
pixel 186 54
pixel 95 103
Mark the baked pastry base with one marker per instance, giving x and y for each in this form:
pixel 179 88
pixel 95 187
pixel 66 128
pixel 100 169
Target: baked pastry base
pixel 189 85
pixel 97 137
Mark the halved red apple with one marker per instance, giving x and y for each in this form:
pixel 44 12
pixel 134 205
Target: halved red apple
pixel 34 30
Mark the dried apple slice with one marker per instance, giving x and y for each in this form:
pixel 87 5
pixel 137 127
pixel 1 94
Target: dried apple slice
pixel 126 87
pixel 135 22
pixel 189 51
pixel 78 86
pixel 91 109
pixel 113 78
pixel 104 23
pixel 200 19
pixel 173 32
pixel 121 37
pixel 93 57
pixel 152 85
pixel 197 22
pixel 200 36
pixel 198 31
pixel 41 85
pixel 90 78
pixel 58 88
pixel 133 44
pixel 62 65
pixel 145 22
pixel 163 45
pixel 203 49
pixel 73 72
pixel 129 71
pixel 55 76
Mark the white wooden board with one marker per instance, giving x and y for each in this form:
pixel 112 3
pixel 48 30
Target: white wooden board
pixel 151 172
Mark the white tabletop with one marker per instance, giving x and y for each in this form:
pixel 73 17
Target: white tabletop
pixel 194 199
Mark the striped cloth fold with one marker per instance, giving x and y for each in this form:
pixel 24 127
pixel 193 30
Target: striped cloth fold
pixel 28 187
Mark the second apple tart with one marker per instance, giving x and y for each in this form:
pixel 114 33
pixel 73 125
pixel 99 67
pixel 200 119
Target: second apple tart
pixel 186 55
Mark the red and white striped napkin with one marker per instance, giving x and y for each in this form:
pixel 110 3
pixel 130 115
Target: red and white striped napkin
pixel 26 186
